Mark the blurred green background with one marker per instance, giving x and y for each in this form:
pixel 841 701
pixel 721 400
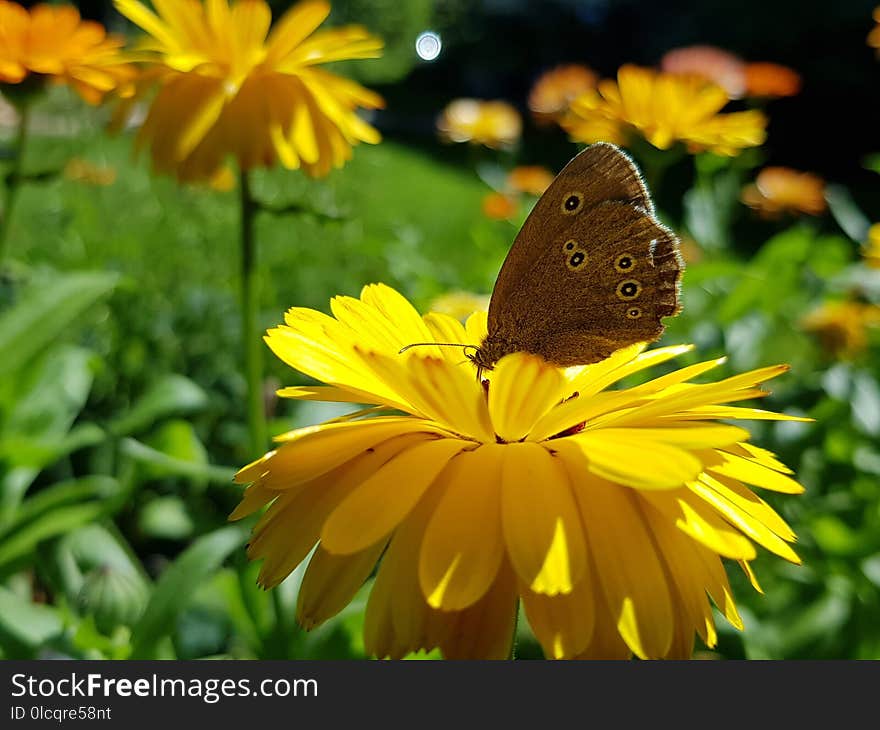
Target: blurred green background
pixel 121 395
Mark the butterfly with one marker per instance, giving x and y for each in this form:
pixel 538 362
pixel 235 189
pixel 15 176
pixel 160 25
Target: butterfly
pixel 592 269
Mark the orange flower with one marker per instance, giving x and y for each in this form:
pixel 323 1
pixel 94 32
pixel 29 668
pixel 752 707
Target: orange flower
pixel 494 124
pixel 842 327
pixel 555 89
pixel 779 190
pixel 874 35
pixel 80 170
pixel 771 80
pixel 530 179
pixel 711 63
pixel 499 207
pixel 665 109
pixel 53 42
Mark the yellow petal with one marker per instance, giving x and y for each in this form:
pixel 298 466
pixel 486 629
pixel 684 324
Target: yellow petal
pixel 463 545
pixel 542 531
pixel 296 25
pixel 746 470
pixel 138 14
pixel 627 565
pixel 524 388
pixel 377 506
pixel 331 581
pixel 624 457
pixel 485 629
pixel 564 623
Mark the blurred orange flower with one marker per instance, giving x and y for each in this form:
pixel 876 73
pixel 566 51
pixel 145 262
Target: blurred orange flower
pixel 555 89
pixel 663 108
pixel 53 42
pixel 780 190
pixel 771 80
pixel 842 327
pixel 714 64
pixel 874 35
pixel 871 251
pixel 499 206
pixel 494 124
pixel 529 179
pixel 80 170
pixel 228 86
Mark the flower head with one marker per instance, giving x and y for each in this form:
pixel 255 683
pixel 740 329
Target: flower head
pixel 771 80
pixel 460 304
pixel 607 511
pixel 714 64
pixel 53 42
pixel 499 206
pixel 555 89
pixel 493 124
pixel 871 251
pixel 663 108
pixel 228 86
pixel 81 170
pixel 842 327
pixel 780 190
pixel 529 179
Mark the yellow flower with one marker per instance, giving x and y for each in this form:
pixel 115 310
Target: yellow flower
pixel 607 512
pixel 494 124
pixel 460 304
pixel 52 42
pixel 771 80
pixel 663 108
pixel 80 170
pixel 530 179
pixel 842 327
pixel 779 190
pixel 871 251
pixel 714 64
pixel 230 87
pixel 555 89
pixel 874 35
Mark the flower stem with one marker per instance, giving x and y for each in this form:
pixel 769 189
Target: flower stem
pixel 512 655
pixel 253 353
pixel 13 180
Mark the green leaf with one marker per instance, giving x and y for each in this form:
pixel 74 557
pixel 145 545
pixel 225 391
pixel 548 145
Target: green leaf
pixel 166 518
pixel 144 454
pixel 176 586
pixel 26 625
pixel 45 312
pixel 170 395
pixel 847 214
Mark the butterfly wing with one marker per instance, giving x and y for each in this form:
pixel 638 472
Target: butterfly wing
pixel 601 173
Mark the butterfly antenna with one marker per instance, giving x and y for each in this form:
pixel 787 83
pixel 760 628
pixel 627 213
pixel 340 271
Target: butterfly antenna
pixel 436 344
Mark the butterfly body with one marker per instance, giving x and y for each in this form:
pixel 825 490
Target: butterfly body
pixel 591 271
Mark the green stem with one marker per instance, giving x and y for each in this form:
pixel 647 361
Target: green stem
pixel 515 629
pixel 253 352
pixel 13 181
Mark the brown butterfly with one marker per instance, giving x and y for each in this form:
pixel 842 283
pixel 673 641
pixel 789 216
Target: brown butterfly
pixel 591 271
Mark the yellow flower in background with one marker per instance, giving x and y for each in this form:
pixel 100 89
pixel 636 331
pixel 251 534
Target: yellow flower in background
pixel 493 124
pixel 714 64
pixel 874 35
pixel 663 108
pixel 555 89
pixel 780 190
pixel 80 170
pixel 460 304
pixel 842 327
pixel 607 512
pixel 871 251
pixel 228 86
pixel 529 179
pixel 52 42
pixel 771 80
